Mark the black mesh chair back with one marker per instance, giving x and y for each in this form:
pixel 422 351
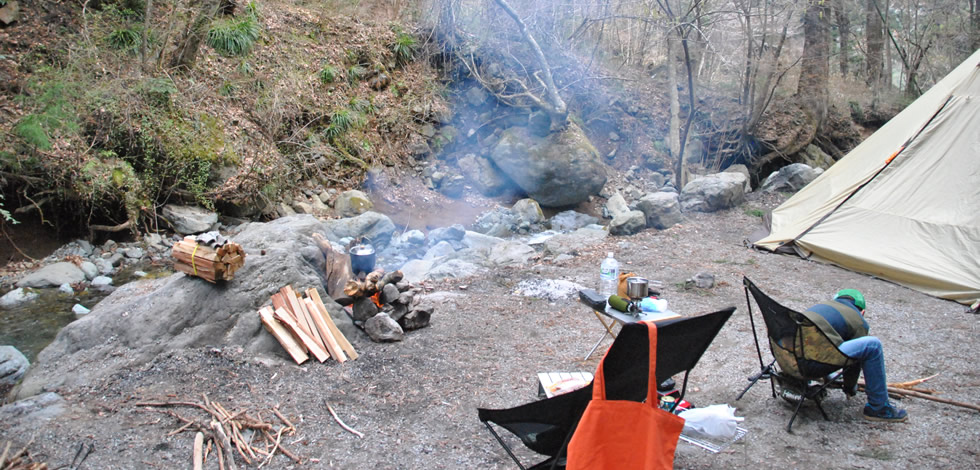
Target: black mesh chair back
pixel 803 352
pixel 546 426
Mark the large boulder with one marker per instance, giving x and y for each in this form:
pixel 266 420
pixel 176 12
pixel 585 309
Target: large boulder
pixel 561 169
pixel 143 319
pixel 713 192
pixel 791 178
pixel 662 209
pixel 188 220
pixel 53 275
pixel 377 228
pixel 628 223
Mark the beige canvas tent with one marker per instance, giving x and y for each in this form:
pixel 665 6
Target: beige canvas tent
pixel 905 204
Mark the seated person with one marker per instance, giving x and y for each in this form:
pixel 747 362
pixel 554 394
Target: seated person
pixel 842 320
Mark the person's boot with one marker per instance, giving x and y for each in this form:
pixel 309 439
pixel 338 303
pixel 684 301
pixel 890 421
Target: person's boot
pixel 888 414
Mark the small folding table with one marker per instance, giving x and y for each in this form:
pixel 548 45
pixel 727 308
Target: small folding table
pixel 609 317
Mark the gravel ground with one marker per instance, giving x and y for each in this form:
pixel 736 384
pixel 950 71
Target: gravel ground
pixel 415 401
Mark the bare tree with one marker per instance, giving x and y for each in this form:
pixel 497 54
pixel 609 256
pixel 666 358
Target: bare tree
pixel 875 40
pixel 844 36
pixel 186 53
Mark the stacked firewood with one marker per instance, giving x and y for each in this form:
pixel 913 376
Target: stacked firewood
pixel 372 284
pixel 303 325
pixel 196 258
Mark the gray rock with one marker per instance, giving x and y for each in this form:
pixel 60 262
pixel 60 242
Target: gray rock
pixel 417 270
pixel 115 333
pixel 134 252
pixel 90 269
pixel 616 206
pixel 79 309
pixel 740 168
pixel 10 12
pixel 17 297
pixel 188 220
pixel 701 280
pixel 510 253
pixel 451 233
pixel 815 157
pixel 628 224
pixel 662 210
pixel 440 249
pixel 417 318
pixel 498 222
pixel 302 207
pixel 561 169
pixel 483 175
pixel 389 294
pixel 453 269
pixel 53 275
pixel 571 220
pixel 476 96
pixel 154 241
pixel 36 410
pixel 116 259
pixel 382 329
pixel 480 242
pixel 375 227
pixel 102 281
pixel 452 186
pixel 713 192
pixel 528 211
pixel 285 210
pixel 363 309
pixel 571 242
pixel 412 238
pixel 66 289
pixel 13 365
pixel 352 203
pixel 791 178
pixel 109 246
pixel 104 266
pixel 83 248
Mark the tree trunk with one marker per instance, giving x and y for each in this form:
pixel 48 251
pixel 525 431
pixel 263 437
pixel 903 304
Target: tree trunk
pixel 674 131
pixel 844 31
pixel 875 45
pixel 975 20
pixel 186 53
pixel 815 64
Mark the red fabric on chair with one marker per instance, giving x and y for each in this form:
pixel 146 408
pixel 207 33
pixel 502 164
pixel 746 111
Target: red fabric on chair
pixel 624 434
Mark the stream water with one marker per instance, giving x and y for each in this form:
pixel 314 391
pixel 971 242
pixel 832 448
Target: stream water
pixel 31 326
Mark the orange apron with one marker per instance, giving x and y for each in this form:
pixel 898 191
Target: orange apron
pixel 623 434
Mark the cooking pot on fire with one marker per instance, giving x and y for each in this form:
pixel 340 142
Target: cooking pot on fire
pixel 362 258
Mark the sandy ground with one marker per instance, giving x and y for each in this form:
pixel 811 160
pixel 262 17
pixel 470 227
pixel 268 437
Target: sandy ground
pixel 415 401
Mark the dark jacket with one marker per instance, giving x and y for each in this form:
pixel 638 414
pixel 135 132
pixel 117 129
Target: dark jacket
pixel 840 320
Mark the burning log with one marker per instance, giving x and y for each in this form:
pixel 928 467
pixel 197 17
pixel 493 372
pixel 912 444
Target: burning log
pixel 373 283
pixel 195 257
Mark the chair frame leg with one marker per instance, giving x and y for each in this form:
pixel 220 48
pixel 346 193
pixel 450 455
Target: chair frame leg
pixel 505 446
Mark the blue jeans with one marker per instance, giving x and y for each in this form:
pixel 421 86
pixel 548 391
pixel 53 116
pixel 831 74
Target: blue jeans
pixel 867 349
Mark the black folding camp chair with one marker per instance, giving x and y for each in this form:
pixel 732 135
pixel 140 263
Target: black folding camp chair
pixel 546 426
pixel 808 361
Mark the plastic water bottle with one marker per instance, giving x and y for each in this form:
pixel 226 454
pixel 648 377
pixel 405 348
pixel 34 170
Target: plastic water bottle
pixel 609 276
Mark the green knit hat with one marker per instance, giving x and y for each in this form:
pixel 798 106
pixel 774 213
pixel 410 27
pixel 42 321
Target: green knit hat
pixel 853 294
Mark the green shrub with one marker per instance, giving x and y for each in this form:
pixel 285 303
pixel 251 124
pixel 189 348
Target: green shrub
pixel 125 39
pixel 356 73
pixel 55 112
pixel 403 48
pixel 362 106
pixel 341 122
pixel 227 89
pixel 29 128
pixel 328 74
pixel 234 37
pixel 158 91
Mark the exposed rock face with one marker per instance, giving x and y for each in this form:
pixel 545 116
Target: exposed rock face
pixel 561 169
pixel 662 209
pixel 791 178
pixel 142 319
pixel 713 192
pixel 188 220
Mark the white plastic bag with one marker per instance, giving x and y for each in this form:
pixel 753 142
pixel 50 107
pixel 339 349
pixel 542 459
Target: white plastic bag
pixel 717 421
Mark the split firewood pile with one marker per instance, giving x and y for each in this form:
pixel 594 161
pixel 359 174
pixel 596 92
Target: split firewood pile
pixel 303 325
pixel 912 389
pixel 222 433
pixel 11 459
pixel 208 256
pixel 385 305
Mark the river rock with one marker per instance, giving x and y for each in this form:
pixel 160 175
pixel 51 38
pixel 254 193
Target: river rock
pixel 528 212
pixel 17 297
pixel 571 220
pixel 100 281
pixel 352 203
pixel 66 289
pixel 616 206
pixel 443 248
pixel 189 220
pixel 791 178
pixel 418 318
pixel 480 242
pixel 36 410
pixel 412 238
pixel 13 365
pixel 452 269
pixel 133 252
pixel 377 228
pixel 79 309
pixel 561 169
pixel 510 253
pixel 483 175
pixel 740 168
pixel 90 269
pixel 416 270
pixel 53 275
pixel 662 209
pixel 628 224
pixel 114 335
pixel 452 233
pixel 571 242
pixel 382 329
pixel 714 192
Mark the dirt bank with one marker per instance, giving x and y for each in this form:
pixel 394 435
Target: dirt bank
pixel 415 401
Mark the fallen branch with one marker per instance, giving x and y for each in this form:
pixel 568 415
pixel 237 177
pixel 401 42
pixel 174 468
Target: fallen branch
pixel 912 383
pixel 341 423
pixel 199 451
pixel 225 445
pixel 909 393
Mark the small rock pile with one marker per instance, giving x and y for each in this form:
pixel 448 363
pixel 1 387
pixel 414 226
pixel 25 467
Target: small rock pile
pixel 401 310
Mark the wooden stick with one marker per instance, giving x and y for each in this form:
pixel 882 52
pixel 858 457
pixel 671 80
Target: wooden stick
pixel 341 423
pixel 3 456
pixel 274 447
pixel 321 325
pixel 285 451
pixel 909 393
pixel 199 451
pixel 912 383
pixel 288 424
pixel 225 444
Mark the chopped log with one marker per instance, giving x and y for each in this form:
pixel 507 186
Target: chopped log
pixel 314 348
pixel 207 263
pixel 302 315
pixel 285 338
pixel 338 270
pixel 393 277
pixel 337 334
pixel 321 324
